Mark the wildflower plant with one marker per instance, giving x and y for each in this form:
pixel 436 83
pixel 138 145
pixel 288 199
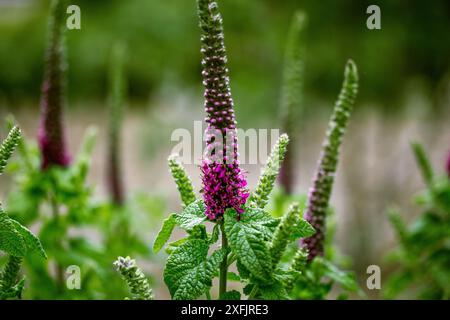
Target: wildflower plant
pixel 51 189
pixel 253 240
pixel 422 256
pixel 15 240
pixel 135 278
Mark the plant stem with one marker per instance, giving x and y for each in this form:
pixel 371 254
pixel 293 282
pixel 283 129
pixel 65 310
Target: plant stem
pixel 224 264
pixel 208 295
pixel 59 268
pixel 253 293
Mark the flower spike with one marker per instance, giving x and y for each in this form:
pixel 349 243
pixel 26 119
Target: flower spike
pixel 224 184
pixel 51 133
pixel 133 276
pixel 320 192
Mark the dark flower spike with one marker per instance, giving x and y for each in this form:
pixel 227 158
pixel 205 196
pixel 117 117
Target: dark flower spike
pixel 116 107
pixel 224 184
pixel 292 96
pixel 133 276
pixel 320 192
pixel 51 133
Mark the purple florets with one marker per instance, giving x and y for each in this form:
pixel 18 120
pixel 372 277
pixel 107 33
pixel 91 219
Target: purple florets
pixel 224 184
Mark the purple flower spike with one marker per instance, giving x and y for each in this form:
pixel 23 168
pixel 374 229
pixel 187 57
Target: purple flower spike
pixel 51 134
pixel 224 184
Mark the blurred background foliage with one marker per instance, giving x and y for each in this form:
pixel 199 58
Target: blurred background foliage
pixel 404 95
pixel 162 37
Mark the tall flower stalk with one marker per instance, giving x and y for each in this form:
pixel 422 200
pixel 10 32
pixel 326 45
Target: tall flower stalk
pixel 292 97
pixel 51 133
pixel 117 87
pixel 224 184
pixel 320 192
pixel 448 165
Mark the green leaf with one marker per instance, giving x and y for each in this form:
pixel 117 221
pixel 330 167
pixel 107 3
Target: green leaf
pixel 275 291
pixel 32 243
pixel 215 234
pixel 165 233
pixel 248 239
pixel 11 241
pixel 192 215
pixel 189 272
pixel 345 279
pixel 303 229
pixel 231 295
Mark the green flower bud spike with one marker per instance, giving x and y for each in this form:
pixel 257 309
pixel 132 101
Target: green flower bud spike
pixel 182 180
pixel 8 146
pixel 135 278
pixel 283 233
pixel 260 196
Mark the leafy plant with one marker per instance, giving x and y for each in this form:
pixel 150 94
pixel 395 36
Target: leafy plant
pixel 423 254
pixel 250 237
pixel 15 240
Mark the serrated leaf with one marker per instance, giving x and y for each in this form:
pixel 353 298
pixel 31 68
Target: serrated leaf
pixel 189 272
pixel 32 243
pixel 345 279
pixel 275 291
pixel 192 215
pixel 248 240
pixel 11 241
pixel 303 229
pixel 165 233
pixel 231 295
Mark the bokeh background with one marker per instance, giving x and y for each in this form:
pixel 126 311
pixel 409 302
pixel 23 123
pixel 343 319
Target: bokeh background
pixel 404 94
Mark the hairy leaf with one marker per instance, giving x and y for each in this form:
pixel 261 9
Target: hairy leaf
pixel 231 295
pixel 192 215
pixel 165 233
pixel 248 239
pixel 32 243
pixel 189 272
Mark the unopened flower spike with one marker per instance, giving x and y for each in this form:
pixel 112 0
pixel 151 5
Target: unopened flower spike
pixel 135 278
pixel 51 133
pixel 297 267
pixel 224 183
pixel 283 232
pixel 116 106
pixel 182 180
pixel 292 97
pixel 320 192
pixel 260 196
pixel 8 146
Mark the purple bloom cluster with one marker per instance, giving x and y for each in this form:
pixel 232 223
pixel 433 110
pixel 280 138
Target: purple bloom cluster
pixel 224 184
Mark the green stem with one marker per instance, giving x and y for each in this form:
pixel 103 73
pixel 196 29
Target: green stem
pixel 253 293
pixel 59 268
pixel 224 264
pixel 208 295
